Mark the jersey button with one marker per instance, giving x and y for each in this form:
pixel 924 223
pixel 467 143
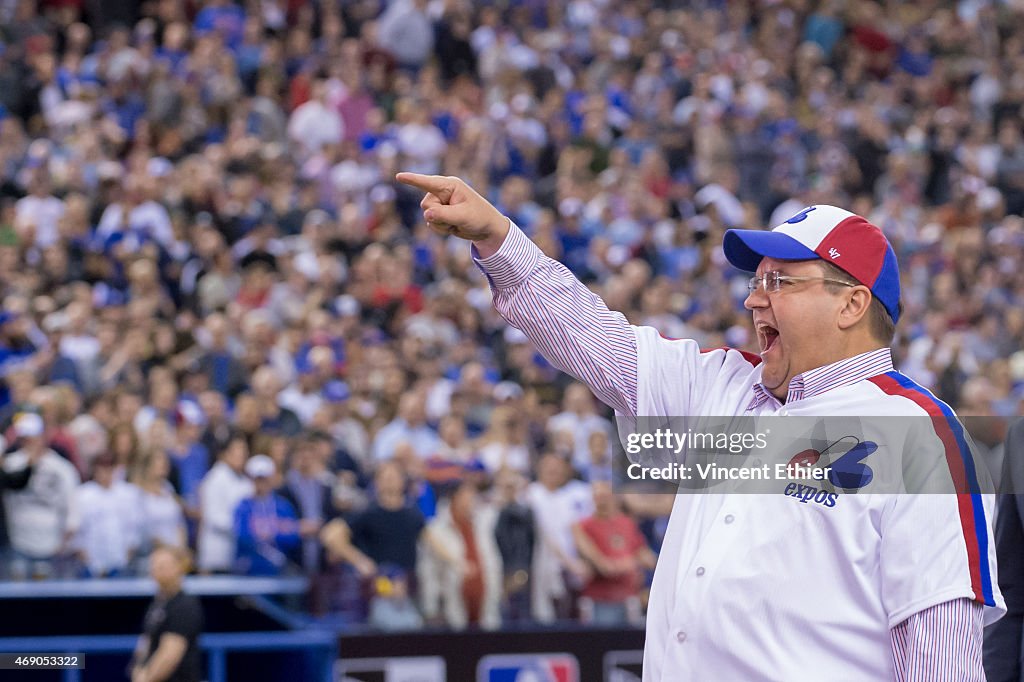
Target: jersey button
pixel 700 571
pixel 680 636
pixel 729 518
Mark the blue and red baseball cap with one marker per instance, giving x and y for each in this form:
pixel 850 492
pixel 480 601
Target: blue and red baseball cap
pixel 831 234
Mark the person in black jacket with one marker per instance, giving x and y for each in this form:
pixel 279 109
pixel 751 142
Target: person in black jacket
pixel 307 486
pixel 515 533
pixel 1003 646
pixel 168 650
pixel 453 49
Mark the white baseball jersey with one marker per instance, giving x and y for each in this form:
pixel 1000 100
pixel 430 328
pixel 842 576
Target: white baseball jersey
pixel 771 586
pixel 779 587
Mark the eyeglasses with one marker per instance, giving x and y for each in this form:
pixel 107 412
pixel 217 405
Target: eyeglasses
pixel 774 281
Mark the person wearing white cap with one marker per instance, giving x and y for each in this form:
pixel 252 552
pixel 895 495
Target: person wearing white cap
pixel 37 515
pixel 772 586
pixel 266 524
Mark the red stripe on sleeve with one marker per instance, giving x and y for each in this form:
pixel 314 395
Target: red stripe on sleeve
pixel 956 469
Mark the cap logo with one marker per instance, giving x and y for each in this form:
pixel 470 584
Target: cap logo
pixel 833 253
pixel 802 215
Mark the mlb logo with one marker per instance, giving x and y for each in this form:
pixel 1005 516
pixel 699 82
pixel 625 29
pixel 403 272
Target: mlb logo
pixel 623 666
pixel 528 668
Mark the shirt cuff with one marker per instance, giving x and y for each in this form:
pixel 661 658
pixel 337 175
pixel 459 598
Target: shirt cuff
pixel 513 262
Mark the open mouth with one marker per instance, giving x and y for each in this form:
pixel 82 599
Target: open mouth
pixel 768 336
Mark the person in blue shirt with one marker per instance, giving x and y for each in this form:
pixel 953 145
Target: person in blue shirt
pixel 266 525
pixel 224 18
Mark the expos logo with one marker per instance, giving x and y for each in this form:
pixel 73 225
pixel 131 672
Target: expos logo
pixel 847 471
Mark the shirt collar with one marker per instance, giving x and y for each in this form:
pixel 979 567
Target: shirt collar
pixel 821 379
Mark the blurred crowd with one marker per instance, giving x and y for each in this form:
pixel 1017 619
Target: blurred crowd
pixel 224 326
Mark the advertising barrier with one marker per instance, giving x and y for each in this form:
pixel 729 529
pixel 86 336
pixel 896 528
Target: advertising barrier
pixel 565 654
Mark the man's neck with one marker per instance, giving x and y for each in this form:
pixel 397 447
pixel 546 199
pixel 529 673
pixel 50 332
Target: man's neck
pixel 862 349
pixel 391 502
pixel 168 592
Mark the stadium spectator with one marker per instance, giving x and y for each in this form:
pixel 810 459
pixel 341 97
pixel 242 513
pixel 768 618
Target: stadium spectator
pixel 409 426
pixel 125 447
pixel 247 419
pixel 220 492
pixel 611 543
pixel 303 398
pixel 221 364
pixel 103 520
pixel 217 431
pixel 308 486
pixel 460 573
pixel 599 460
pixel 163 401
pixel 55 403
pixel 454 446
pixel 22 344
pixel 161 517
pixel 36 215
pixel 38 514
pixel 515 532
pixel 557 503
pixel 188 457
pixel 79 344
pixel 277 414
pixel 406 30
pixel 19 382
pixel 504 445
pixel 14 475
pixel 315 124
pixel 579 419
pixel 266 525
pixel 136 218
pixel 349 432
pixel 386 532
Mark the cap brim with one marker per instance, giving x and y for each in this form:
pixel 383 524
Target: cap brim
pixel 744 249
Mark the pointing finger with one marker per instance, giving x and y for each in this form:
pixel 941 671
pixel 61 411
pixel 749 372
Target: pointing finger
pixel 435 184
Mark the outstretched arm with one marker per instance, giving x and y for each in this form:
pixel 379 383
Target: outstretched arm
pixel 337 539
pixel 569 324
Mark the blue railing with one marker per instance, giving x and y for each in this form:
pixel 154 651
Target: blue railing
pixel 200 586
pixel 321 644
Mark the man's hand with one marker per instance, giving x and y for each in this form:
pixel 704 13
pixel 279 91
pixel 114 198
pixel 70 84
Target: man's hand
pixel 453 207
pixel 309 527
pixel 366 567
pixel 579 570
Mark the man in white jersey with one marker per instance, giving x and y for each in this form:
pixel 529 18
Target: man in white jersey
pixel 778 587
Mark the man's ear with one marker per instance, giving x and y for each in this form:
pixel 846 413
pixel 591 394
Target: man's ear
pixel 858 301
